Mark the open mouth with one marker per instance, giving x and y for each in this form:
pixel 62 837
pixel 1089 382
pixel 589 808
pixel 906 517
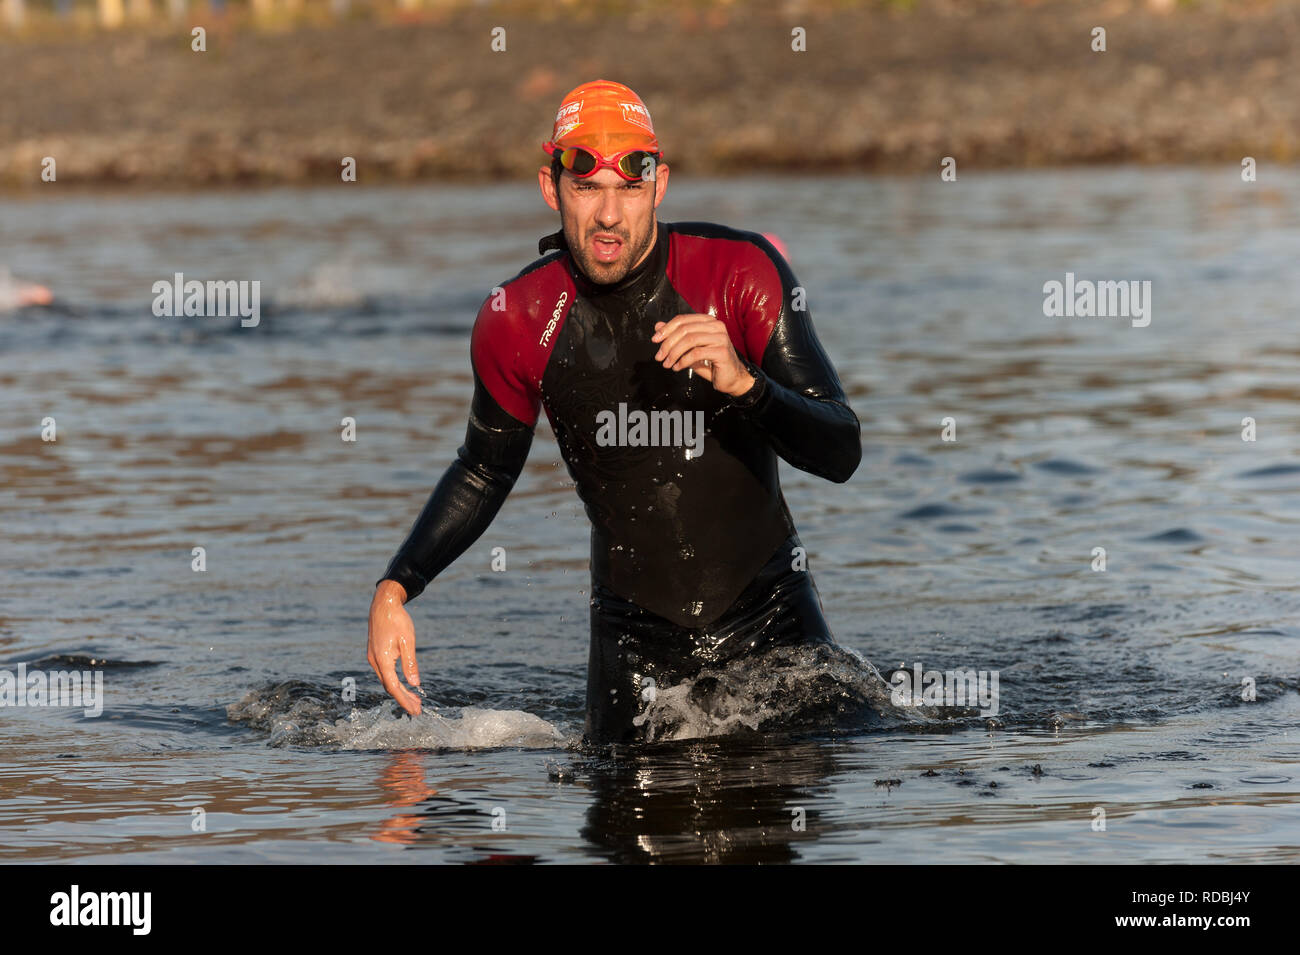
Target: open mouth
pixel 606 247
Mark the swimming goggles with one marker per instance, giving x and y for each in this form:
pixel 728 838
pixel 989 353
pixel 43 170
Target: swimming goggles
pixel 584 162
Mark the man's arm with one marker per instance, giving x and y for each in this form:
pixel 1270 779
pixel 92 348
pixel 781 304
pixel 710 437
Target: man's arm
pixel 797 400
pixel 502 414
pixel 456 514
pixel 468 496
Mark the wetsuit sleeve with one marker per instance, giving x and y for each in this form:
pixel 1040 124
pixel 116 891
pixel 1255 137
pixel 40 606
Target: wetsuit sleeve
pixel 469 495
pixel 797 400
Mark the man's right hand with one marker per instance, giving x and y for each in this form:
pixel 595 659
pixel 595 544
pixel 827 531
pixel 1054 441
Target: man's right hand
pixel 392 636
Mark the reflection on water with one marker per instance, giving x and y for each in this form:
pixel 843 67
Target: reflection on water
pixel 1124 686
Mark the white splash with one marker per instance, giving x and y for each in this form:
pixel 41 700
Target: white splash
pixel 473 729
pixel 299 714
pixel 785 688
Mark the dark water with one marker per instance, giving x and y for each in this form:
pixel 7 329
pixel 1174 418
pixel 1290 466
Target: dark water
pixel 1120 690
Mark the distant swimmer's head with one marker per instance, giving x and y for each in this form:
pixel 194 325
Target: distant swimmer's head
pixel 34 295
pixel 15 294
pixel 606 178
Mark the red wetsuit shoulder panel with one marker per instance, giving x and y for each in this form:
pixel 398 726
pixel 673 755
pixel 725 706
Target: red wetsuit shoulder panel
pixel 515 331
pixel 729 274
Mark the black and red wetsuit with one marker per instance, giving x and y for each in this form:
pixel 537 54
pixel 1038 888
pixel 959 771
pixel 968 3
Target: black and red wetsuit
pixel 690 553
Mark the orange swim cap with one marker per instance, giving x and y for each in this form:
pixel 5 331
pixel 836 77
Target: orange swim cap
pixel 604 116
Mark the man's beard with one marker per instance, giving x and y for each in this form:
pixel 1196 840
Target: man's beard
pixel 599 272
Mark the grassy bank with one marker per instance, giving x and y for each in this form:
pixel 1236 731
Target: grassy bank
pixel 880 87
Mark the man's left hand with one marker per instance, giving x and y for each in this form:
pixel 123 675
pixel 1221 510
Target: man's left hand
pixel 701 342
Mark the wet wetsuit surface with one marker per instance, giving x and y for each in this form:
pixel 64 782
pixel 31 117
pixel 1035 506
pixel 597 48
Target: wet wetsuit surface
pixel 688 530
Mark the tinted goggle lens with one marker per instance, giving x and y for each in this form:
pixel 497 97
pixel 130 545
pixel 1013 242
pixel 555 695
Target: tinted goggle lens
pixel 577 161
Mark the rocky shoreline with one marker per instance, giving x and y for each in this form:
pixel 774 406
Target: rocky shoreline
pixel 880 88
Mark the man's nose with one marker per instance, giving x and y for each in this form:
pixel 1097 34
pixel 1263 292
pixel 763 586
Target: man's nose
pixel 609 213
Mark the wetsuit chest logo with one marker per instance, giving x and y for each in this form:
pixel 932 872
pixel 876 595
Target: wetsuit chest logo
pixel 555 318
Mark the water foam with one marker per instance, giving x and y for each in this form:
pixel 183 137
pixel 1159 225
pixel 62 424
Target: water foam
pixel 787 688
pixel 802 688
pixel 474 728
pixel 295 713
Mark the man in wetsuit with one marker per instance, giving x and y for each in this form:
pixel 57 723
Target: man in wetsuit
pixel 675 362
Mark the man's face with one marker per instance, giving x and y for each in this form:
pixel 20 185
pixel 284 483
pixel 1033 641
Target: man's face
pixel 609 222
